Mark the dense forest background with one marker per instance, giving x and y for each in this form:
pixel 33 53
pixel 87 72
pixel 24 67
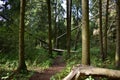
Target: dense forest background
pixel 35 32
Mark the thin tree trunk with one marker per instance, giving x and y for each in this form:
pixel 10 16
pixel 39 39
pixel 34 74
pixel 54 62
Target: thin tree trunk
pixel 77 15
pixel 77 38
pixel 100 25
pixel 78 31
pixel 85 33
pixel 117 55
pixel 69 2
pixel 105 33
pixel 21 65
pixel 50 28
pixel 55 26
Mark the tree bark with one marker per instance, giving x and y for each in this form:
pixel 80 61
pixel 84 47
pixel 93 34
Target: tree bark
pixel 85 33
pixel 50 28
pixel 117 55
pixel 100 25
pixel 21 65
pixel 55 26
pixel 77 38
pixel 78 31
pixel 105 32
pixel 68 26
pixel 82 70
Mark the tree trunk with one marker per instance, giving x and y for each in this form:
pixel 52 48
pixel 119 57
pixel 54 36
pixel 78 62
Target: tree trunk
pixel 100 25
pixel 22 65
pixel 50 28
pixel 69 2
pixel 82 70
pixel 55 26
pixel 77 38
pixel 78 31
pixel 105 32
pixel 117 55
pixel 85 33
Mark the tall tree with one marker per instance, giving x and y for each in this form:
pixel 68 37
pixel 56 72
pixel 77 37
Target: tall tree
pixel 85 33
pixel 117 55
pixel 55 26
pixel 105 32
pixel 69 2
pixel 78 3
pixel 50 28
pixel 100 26
pixel 22 65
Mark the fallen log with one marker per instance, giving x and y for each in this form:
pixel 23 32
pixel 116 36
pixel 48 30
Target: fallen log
pixel 71 30
pixel 36 37
pixel 82 70
pixel 59 50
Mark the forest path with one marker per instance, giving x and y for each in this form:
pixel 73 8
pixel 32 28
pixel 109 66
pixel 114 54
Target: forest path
pixel 57 66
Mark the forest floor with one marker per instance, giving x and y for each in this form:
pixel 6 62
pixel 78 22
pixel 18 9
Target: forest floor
pixel 56 67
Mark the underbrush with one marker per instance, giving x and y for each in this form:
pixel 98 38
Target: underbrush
pixel 37 58
pixel 24 75
pixel 95 61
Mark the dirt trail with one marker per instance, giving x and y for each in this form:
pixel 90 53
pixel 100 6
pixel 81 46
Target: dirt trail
pixel 57 66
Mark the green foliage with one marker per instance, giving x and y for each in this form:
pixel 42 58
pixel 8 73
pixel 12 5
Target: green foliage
pixel 7 40
pixel 36 27
pixel 23 76
pixel 6 77
pixel 76 59
pixel 20 76
pixel 38 57
pixel 73 60
pixel 9 61
pixel 61 75
pixel 34 59
pixel 97 61
pixel 89 78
